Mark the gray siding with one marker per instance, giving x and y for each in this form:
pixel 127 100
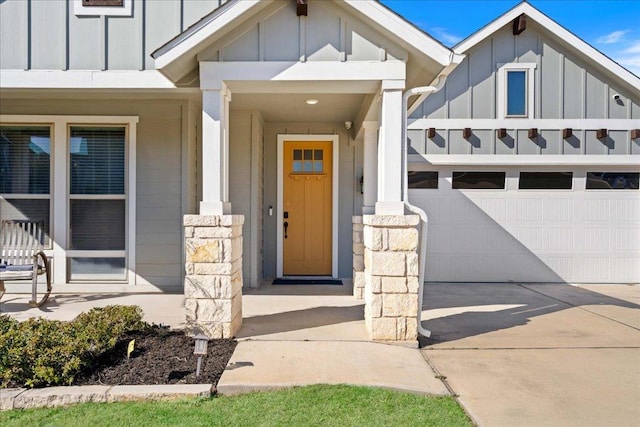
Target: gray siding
pixel 46 34
pixel 327 34
pixel 159 153
pixel 346 196
pixel 570 88
pixel 566 87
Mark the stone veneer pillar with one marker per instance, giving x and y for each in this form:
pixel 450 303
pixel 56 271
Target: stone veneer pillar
pixel 358 258
pixel 213 281
pixel 391 277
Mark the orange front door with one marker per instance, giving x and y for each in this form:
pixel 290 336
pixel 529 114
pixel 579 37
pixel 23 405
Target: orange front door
pixel 307 208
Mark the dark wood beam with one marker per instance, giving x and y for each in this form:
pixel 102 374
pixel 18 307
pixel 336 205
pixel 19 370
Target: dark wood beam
pixel 466 133
pixel 601 133
pixel 501 133
pixel 90 3
pixel 635 133
pixel 567 133
pixel 431 133
pixel 519 24
pixel 533 132
pixel 301 7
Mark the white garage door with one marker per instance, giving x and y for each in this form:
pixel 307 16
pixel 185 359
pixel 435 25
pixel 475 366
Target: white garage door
pixel 505 224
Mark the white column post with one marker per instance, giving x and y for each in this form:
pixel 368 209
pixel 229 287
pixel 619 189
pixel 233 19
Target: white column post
pixel 370 166
pixel 215 151
pixel 389 150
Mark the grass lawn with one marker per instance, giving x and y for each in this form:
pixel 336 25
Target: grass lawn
pixel 304 406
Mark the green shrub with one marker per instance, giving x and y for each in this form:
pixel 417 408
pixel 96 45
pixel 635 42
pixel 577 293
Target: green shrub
pixel 39 352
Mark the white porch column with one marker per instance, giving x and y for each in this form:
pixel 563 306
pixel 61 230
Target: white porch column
pixel 389 150
pixel 215 151
pixel 370 167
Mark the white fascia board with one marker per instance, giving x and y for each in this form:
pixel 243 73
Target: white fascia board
pixel 403 30
pixel 511 124
pixel 213 73
pixel 56 79
pixel 555 28
pixel 191 39
pixel 630 161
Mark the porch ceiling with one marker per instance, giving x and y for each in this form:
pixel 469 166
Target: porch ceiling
pixel 291 107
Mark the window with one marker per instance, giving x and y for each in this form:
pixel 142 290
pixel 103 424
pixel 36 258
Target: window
pixel 546 181
pixel 516 93
pixel 82 169
pixel 25 172
pixel 420 179
pixel 97 202
pixel 516 90
pixel 308 161
pixel 478 180
pixel 613 181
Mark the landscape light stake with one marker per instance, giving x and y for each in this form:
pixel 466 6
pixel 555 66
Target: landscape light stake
pixel 200 350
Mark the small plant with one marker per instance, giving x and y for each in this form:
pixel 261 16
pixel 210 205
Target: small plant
pixel 39 352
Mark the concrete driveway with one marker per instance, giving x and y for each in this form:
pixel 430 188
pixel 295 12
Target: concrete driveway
pixel 538 355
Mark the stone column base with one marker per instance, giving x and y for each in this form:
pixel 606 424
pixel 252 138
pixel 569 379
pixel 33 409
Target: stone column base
pixel 213 281
pixel 358 258
pixel 391 277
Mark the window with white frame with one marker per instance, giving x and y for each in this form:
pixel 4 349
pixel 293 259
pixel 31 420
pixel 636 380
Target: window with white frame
pixel 77 174
pixel 97 203
pixel 516 90
pixel 25 174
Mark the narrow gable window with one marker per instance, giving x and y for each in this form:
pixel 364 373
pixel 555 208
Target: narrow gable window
pixel 517 93
pixel 102 7
pixel 516 90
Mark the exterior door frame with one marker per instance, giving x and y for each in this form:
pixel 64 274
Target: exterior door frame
pixel 334 139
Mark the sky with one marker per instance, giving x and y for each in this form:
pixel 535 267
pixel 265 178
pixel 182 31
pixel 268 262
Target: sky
pixel 611 26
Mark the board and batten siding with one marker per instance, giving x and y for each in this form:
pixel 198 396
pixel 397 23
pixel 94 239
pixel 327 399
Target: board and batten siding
pixel 159 176
pixel 47 35
pixel 327 34
pixel 566 88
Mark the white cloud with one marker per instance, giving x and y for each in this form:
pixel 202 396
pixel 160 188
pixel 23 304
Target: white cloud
pixel 444 36
pixel 634 48
pixel 613 37
pixel 629 57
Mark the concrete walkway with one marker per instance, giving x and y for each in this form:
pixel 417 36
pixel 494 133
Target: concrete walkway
pixel 538 355
pixel 299 335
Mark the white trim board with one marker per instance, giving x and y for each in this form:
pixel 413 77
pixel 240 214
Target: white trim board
pixel 525 159
pixel 521 123
pixel 335 140
pixel 80 79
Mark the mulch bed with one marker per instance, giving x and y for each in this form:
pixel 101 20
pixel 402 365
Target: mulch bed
pixel 160 357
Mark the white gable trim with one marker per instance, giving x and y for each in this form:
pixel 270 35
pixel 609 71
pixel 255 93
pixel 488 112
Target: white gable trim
pixel 554 28
pixel 397 25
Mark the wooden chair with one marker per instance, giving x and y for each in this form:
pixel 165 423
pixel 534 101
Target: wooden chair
pixel 22 258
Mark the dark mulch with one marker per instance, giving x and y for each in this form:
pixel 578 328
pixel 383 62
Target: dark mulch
pixel 160 357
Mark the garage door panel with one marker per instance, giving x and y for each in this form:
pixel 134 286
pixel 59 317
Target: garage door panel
pixel 573 235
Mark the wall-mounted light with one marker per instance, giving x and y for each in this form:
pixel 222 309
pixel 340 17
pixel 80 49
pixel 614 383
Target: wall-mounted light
pixel 311 101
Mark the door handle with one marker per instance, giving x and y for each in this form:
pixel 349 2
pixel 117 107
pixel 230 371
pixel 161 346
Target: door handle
pixel 286 225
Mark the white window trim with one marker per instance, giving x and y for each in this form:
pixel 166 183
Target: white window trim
pixel 334 139
pixel 80 10
pixel 502 89
pixel 59 194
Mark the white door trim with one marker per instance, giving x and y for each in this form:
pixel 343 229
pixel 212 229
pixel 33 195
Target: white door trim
pixel 334 139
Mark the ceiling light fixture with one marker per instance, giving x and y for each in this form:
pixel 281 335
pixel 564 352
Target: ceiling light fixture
pixel 311 101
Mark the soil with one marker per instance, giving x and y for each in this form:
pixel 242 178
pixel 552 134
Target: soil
pixel 159 357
